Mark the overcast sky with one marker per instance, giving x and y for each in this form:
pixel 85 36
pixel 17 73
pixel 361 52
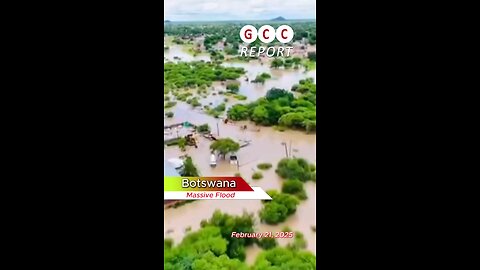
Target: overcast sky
pixel 210 10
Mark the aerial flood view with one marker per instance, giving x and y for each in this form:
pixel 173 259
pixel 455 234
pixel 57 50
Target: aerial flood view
pixel 232 115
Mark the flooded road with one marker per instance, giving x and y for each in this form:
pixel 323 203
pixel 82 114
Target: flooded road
pixel 267 145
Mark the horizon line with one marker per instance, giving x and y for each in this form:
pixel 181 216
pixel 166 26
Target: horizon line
pixel 237 20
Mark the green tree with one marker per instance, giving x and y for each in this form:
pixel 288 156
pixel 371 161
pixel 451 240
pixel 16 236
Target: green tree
pixel 267 243
pixel 296 60
pixel 273 213
pixel 285 258
pixel 233 87
pixel 211 262
pixel 279 208
pixel 201 250
pixel 238 112
pixel 261 78
pixel 225 146
pixel 189 169
pixel 203 128
pixel 299 242
pixel 294 187
pixel 276 63
pixel 292 120
pixel 228 224
pixel 295 168
pixel 182 143
pixel 220 107
pixel 167 243
pixel 276 93
pixel 260 115
pixel 310 126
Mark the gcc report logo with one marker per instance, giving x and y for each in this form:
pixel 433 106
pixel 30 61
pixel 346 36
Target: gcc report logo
pixel 266 34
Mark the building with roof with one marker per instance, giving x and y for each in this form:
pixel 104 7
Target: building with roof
pixel 169 170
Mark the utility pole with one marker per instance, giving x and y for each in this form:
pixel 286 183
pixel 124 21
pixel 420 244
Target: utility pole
pixel 290 150
pixel 286 151
pixel 218 130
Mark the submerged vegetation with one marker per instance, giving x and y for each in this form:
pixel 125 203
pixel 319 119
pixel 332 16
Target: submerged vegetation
pixel 212 247
pixel 257 176
pixel 281 107
pixel 294 187
pixel 279 208
pixel 296 168
pixel 261 78
pixel 197 74
pixel 233 86
pixel 264 166
pixel 203 128
pixel 227 224
pixel 290 62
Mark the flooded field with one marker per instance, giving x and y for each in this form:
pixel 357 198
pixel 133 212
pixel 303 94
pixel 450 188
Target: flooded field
pixel 281 78
pixel 267 145
pixel 177 53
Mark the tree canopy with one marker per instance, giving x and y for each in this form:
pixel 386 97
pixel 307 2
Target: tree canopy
pixel 213 248
pixel 281 107
pixel 296 168
pixel 197 74
pixel 189 169
pixel 279 208
pixel 285 258
pixel 201 250
pixel 225 146
pixel 229 224
pixel 294 187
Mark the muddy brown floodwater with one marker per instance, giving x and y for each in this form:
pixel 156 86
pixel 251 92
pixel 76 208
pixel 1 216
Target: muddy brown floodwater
pixel 281 78
pixel 179 51
pixel 267 145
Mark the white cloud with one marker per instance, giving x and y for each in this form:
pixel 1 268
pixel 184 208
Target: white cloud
pixel 202 10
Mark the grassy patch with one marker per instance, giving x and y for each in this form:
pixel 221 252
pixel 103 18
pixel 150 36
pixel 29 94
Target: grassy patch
pixel 169 104
pixel 309 64
pixel 240 97
pixel 180 203
pixel 264 166
pixel 257 176
pixel 279 128
pixel 173 142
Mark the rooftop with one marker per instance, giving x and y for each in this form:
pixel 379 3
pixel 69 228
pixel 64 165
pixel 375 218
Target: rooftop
pixel 169 170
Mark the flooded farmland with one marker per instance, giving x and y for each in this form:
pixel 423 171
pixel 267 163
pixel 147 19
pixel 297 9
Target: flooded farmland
pixel 281 78
pixel 177 53
pixel 267 145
